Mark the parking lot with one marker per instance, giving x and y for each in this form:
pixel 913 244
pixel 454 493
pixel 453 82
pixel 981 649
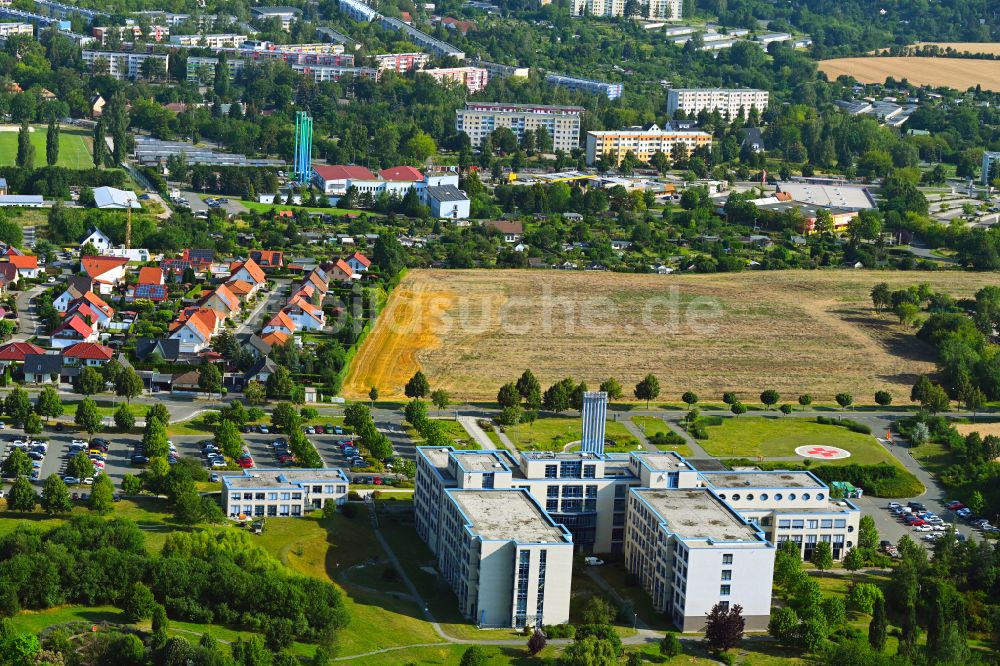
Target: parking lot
pixel 892 528
pixel 197 204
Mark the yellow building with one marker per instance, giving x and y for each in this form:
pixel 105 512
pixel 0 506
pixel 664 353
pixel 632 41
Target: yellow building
pixel 644 143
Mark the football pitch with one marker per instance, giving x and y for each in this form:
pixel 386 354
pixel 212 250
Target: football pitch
pixel 74 147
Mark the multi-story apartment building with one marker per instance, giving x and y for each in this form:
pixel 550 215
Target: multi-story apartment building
pixel 480 119
pixel 651 506
pixel 8 29
pixel 991 167
pixel 422 39
pixel 282 492
pixel 322 73
pixel 121 64
pixel 644 143
pixel 727 101
pixel 650 9
pixel 216 41
pixel 400 62
pixel 609 90
pixel 202 70
pixel 690 551
pixel 284 14
pixel 358 10
pixel 473 78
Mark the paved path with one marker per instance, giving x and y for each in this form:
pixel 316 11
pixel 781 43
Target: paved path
pixel 275 298
pixel 637 432
pixel 475 432
pixel 26 314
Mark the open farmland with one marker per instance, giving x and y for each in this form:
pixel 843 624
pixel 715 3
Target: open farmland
pixel 74 147
pixel 959 73
pixel 796 331
pixel 989 48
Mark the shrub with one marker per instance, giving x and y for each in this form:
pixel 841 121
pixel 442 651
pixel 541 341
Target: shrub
pixel 559 630
pixel 669 438
pixel 698 430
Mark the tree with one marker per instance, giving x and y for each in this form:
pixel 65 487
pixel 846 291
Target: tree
pixel 537 642
pixel 187 506
pixel 786 409
pixel 805 399
pixel 25 149
pixel 440 398
pixel 160 626
pixel 420 146
pixel 598 610
pixel 590 651
pixel 863 596
pixel 154 439
pixel 80 466
pixel 131 485
pixel 159 412
pixel 867 533
pixel 647 389
pixel 32 424
pixel 87 416
pixel 475 655
pixel 844 400
pixel 16 464
pixel 690 398
pixel 128 384
pixel 729 398
pixel 724 628
pixel 878 628
pixel 854 559
pixel 49 404
pixel 279 383
pixel 920 434
pixel 822 557
pixel 210 378
pixel 100 145
pixel 52 143
pixel 670 646
pixel 17 405
pixel 612 388
pixel 373 395
pixel 254 394
pixel 974 401
pixel 556 397
pixel 227 438
pixel 89 381
pixel 936 400
pixel 138 603
pixel 784 624
pixel 976 502
pixel 22 496
pixel 55 496
pixel 881 299
pixel 418 386
pixel 738 408
pixel 124 420
pixel 769 398
pixel 102 495
pixel 508 395
pixel 883 398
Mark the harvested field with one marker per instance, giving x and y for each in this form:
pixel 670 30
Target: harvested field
pixel 983 429
pixel 795 331
pixel 989 48
pixel 959 73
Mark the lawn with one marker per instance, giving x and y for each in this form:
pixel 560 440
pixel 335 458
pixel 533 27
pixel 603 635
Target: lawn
pixel 771 437
pixel 453 429
pixel 263 208
pixel 554 433
pixel 651 425
pixel 74 147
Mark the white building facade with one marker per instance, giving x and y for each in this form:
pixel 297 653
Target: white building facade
pixel 480 119
pixel 727 101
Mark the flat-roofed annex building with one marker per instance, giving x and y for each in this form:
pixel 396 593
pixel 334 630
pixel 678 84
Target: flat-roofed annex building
pixel 282 492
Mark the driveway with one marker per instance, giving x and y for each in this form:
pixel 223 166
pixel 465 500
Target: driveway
pixel 271 303
pixel 27 314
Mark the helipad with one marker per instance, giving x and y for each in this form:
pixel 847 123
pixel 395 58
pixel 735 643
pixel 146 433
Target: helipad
pixel 819 452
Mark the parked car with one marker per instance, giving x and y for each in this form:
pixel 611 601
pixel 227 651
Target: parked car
pixel 337 430
pixel 245 462
pixel 139 460
pixel 964 512
pixel 218 463
pixel 71 481
pixel 593 561
pixel 916 506
pixel 894 505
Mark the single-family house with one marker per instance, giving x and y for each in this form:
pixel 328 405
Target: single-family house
pixel 275 338
pixel 305 315
pixel 98 239
pixel 198 258
pixel 319 280
pixel 75 328
pixel 249 272
pixel 96 106
pixel 260 371
pixel 8 275
pixel 195 328
pixel 150 275
pixel 241 288
pixel 157 293
pixel 341 271
pixel 223 301
pixel 268 258
pixel 512 230
pixel 254 344
pixel 76 287
pixel 168 349
pixel 358 262
pixel 15 352
pixel 26 265
pixel 3 187
pixel 42 368
pixel 280 322
pixel 87 354
pixel 91 305
pixel 106 272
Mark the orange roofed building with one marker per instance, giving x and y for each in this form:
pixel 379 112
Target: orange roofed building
pixel 194 329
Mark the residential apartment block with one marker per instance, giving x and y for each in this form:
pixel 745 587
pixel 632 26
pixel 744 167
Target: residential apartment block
pixel 202 70
pixel 693 538
pixel 473 78
pixel 644 143
pixel 609 90
pixel 282 492
pixel 991 167
pixel 400 62
pixel 422 39
pixel 727 101
pixel 216 41
pixel 480 119
pixel 650 9
pixel 285 15
pixel 8 29
pixel 359 11
pixel 120 64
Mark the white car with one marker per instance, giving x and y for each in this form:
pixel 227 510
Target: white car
pixel 89 481
pixel 51 280
pixel 593 561
pixel 3 426
pixel 79 442
pixel 923 528
pixel 893 505
pixel 939 527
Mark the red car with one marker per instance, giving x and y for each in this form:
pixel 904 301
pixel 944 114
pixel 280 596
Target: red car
pixel 320 430
pixel 955 506
pixel 245 462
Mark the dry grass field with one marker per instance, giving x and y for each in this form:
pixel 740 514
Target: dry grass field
pixel 989 48
pixel 795 331
pixel 959 73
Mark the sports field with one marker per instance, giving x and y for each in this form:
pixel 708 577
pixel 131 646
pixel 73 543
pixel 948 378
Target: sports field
pixel 958 73
pixel 794 331
pixel 74 147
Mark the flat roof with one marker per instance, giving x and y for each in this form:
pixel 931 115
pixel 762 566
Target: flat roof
pixel 843 196
pixel 284 478
pixel 479 461
pixel 507 515
pixel 663 460
pixel 697 514
pixel 437 456
pixel 765 480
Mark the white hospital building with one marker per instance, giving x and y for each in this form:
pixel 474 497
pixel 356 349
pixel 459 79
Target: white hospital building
pixel 288 491
pixel 693 538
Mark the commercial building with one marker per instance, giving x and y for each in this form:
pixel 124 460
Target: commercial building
pixel 692 538
pixel 480 119
pixel 473 78
pixel 727 101
pixel 284 14
pixel 609 90
pixel 400 62
pixel 215 41
pixel 650 9
pixel 8 29
pixel 282 492
pixel 447 202
pixel 829 195
pixel 121 64
pixel 991 167
pixel 643 143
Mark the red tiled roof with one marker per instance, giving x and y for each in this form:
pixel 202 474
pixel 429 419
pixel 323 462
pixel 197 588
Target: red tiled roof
pixel 270 257
pixel 402 173
pixel 275 338
pixel 344 266
pixel 252 268
pixel 96 301
pixel 89 351
pixel 362 259
pixel 150 275
pixel 343 172
pixel 239 287
pixel 76 323
pixel 16 351
pixel 283 320
pixel 96 266
pixel 227 296
pixel 23 261
pixel 202 320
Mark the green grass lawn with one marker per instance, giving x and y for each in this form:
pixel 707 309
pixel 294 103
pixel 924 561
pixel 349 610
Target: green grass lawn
pixel 263 208
pixel 652 425
pixel 554 433
pixel 454 430
pixel 74 147
pixel 753 436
